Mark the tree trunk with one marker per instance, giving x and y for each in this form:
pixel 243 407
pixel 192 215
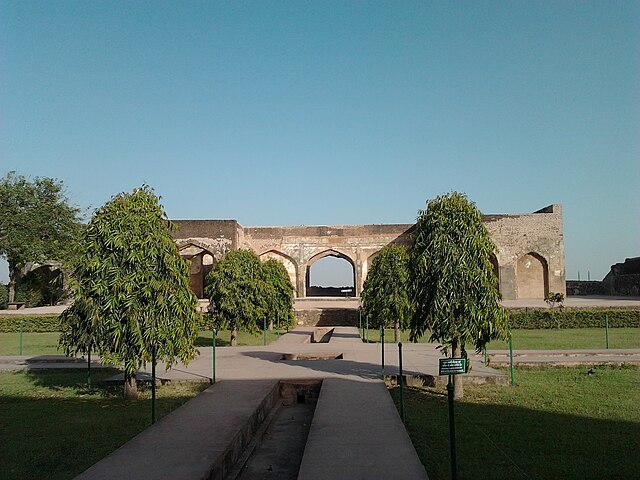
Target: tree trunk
pixel 130 387
pixel 14 273
pixel 458 389
pixel 396 331
pixel 234 336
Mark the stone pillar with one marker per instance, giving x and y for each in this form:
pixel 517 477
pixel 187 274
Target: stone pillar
pixel 508 282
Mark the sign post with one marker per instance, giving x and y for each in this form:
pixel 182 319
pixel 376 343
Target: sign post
pixel 213 356
pixel 451 367
pixel 382 346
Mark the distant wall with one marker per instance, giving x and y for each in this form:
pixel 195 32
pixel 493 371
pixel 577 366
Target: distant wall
pixel 586 287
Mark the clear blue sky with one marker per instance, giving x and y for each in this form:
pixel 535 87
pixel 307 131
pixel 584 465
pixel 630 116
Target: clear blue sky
pixel 283 113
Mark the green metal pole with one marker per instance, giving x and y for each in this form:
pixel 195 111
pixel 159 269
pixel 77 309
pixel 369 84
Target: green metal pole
pixel 452 429
pixel 401 380
pixel 153 385
pixel 382 345
pixel 89 368
pixel 278 324
pixel 264 332
pixel 366 340
pixel 213 356
pixel 484 351
pixel 20 341
pixel 513 382
pixel 606 330
pixel 360 323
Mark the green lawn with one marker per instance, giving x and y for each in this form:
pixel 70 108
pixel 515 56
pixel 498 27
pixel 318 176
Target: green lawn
pixel 52 426
pixel 556 423
pixel 572 338
pixel 47 343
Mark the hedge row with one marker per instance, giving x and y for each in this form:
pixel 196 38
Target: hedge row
pixel 532 319
pixel 30 323
pixel 541 319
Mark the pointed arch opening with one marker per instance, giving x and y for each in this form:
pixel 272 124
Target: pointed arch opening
pixel 330 274
pixel 532 274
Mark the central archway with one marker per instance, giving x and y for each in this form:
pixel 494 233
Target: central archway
pixel 330 274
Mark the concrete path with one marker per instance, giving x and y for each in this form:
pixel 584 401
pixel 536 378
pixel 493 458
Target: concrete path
pixel 356 433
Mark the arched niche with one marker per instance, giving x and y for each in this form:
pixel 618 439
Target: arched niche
pixel 288 262
pixel 366 265
pixel 496 268
pixel 532 275
pixel 201 262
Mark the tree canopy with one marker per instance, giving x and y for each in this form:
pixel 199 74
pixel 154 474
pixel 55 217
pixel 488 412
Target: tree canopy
pixel 385 297
pixel 454 289
pixel 237 293
pixel 130 289
pixel 279 293
pixel 37 223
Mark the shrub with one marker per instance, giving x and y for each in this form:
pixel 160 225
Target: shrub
pixel 541 319
pixel 554 299
pixel 30 323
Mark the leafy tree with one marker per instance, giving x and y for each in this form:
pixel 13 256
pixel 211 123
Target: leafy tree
pixel 279 293
pixel 36 223
pixel 4 296
pixel 237 293
pixel 130 288
pixel 43 286
pixel 385 297
pixel 454 289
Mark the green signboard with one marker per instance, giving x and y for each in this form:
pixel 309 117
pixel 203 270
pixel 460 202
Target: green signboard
pixel 452 366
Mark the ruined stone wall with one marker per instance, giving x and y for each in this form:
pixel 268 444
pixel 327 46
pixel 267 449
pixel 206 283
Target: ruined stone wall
pixel 530 252
pixel 623 278
pixel 530 247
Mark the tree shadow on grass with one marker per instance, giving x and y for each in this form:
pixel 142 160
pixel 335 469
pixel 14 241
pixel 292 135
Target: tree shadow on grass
pixel 59 435
pixel 76 380
pixel 507 442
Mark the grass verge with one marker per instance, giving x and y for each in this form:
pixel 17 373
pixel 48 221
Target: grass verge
pixel 549 339
pixel 47 343
pixel 53 426
pixel 555 423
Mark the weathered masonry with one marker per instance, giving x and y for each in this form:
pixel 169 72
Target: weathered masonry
pixel 529 259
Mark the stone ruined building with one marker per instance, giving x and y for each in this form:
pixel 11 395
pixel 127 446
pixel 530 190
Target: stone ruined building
pixel 529 258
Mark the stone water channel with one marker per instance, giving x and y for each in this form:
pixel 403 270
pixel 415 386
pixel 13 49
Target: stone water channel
pixel 277 449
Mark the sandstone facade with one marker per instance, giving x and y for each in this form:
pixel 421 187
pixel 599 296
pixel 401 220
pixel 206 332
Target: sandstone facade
pixel 529 259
